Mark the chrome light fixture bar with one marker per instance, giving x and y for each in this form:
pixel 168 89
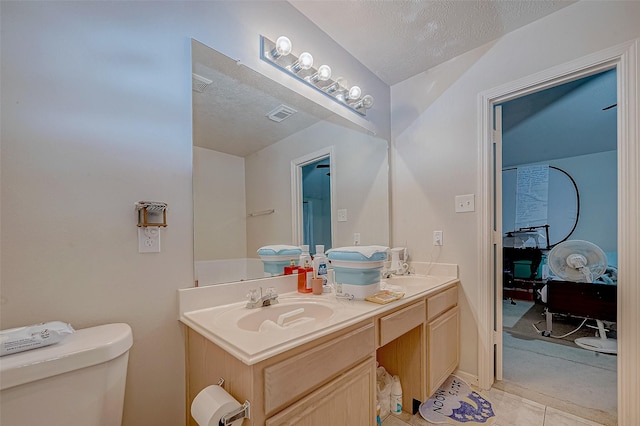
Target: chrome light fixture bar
pixel 279 54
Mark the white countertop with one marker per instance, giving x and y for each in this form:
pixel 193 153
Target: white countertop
pixel 208 311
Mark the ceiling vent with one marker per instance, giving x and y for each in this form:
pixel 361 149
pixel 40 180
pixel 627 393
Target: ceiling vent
pixel 280 113
pixel 200 83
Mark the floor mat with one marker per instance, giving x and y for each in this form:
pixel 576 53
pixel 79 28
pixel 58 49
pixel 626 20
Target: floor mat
pixel 455 403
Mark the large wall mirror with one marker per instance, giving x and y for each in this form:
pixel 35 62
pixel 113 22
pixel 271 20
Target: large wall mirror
pixel 245 167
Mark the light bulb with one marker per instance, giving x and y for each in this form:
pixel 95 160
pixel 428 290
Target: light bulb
pixel 354 93
pixel 304 62
pixel 337 88
pixel 283 47
pixel 366 102
pixel 323 74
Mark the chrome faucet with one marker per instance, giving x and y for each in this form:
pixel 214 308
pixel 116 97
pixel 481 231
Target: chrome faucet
pixel 257 300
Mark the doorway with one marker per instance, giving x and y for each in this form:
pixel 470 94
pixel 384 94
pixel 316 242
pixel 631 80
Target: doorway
pixel 559 183
pixel 623 58
pixel 313 199
pixel 316 199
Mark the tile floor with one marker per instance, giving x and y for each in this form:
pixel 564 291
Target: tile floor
pixel 511 410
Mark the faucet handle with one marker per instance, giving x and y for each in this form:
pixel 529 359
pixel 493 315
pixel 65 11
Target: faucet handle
pixel 254 295
pixel 270 292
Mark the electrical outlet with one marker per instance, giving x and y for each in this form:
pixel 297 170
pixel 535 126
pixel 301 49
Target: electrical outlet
pixel 342 215
pixel 149 239
pixel 437 238
pixel 356 238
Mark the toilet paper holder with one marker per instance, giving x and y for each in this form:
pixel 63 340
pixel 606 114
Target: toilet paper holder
pixel 242 412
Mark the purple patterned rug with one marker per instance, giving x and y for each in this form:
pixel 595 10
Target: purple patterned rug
pixel 456 403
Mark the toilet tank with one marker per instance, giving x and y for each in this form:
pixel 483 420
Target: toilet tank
pixel 78 381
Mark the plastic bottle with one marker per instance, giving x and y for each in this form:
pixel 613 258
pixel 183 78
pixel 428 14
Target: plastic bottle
pixel 291 269
pixel 309 277
pixel 320 262
pixel 304 256
pixel 305 271
pixel 396 396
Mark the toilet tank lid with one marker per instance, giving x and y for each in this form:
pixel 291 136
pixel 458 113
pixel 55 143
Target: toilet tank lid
pixel 84 348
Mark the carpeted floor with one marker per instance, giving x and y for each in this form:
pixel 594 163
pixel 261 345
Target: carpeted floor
pixel 556 372
pixel 523 328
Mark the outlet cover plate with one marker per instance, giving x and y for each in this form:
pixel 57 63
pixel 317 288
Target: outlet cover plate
pixel 148 239
pixel 465 203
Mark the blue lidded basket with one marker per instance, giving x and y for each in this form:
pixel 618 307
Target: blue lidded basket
pixel 275 258
pixel 355 273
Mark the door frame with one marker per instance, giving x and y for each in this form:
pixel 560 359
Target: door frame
pixel 296 190
pixel 624 58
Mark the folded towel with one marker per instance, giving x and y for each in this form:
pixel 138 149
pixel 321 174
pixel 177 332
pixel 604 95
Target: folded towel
pixel 279 249
pixel 366 251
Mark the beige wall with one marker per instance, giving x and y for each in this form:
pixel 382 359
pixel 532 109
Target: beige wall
pixel 435 139
pixel 219 205
pixel 96 115
pixel 360 173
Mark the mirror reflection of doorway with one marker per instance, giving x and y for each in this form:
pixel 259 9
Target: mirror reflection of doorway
pixel 316 207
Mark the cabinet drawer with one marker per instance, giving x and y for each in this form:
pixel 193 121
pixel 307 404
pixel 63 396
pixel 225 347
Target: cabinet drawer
pixel 441 302
pixel 346 400
pixel 293 378
pixel 398 323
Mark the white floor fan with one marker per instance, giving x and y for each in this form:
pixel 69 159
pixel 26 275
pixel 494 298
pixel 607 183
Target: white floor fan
pixel 582 261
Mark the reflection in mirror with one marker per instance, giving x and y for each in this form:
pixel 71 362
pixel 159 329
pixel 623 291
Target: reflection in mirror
pixel 316 204
pixel 246 193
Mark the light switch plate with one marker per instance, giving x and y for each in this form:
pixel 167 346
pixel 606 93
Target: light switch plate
pixel 342 215
pixel 465 203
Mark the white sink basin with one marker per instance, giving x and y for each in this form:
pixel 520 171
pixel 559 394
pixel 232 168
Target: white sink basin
pixel 283 315
pixel 408 282
pixel 253 335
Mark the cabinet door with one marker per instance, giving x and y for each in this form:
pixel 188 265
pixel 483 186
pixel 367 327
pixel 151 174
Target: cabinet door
pixel 443 343
pixel 347 400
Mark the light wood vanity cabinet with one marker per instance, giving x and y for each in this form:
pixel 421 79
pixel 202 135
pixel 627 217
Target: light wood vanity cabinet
pixel 332 380
pixel 443 337
pixel 420 343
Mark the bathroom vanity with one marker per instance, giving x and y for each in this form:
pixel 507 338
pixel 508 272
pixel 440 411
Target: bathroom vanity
pixel 324 371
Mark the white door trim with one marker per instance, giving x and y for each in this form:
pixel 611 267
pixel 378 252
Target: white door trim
pixel 296 190
pixel 625 59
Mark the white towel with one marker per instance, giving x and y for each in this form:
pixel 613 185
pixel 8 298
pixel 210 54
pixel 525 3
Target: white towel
pixel 366 251
pixel 279 247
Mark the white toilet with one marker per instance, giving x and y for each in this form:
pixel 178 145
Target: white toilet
pixel 78 381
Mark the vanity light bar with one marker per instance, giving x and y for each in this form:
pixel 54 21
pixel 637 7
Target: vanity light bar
pixel 279 55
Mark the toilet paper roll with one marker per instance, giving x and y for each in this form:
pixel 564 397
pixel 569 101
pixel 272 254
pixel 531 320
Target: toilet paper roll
pixel 211 404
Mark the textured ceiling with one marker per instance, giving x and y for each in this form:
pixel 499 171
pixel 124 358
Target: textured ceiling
pixel 399 39
pixel 394 39
pixel 230 114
